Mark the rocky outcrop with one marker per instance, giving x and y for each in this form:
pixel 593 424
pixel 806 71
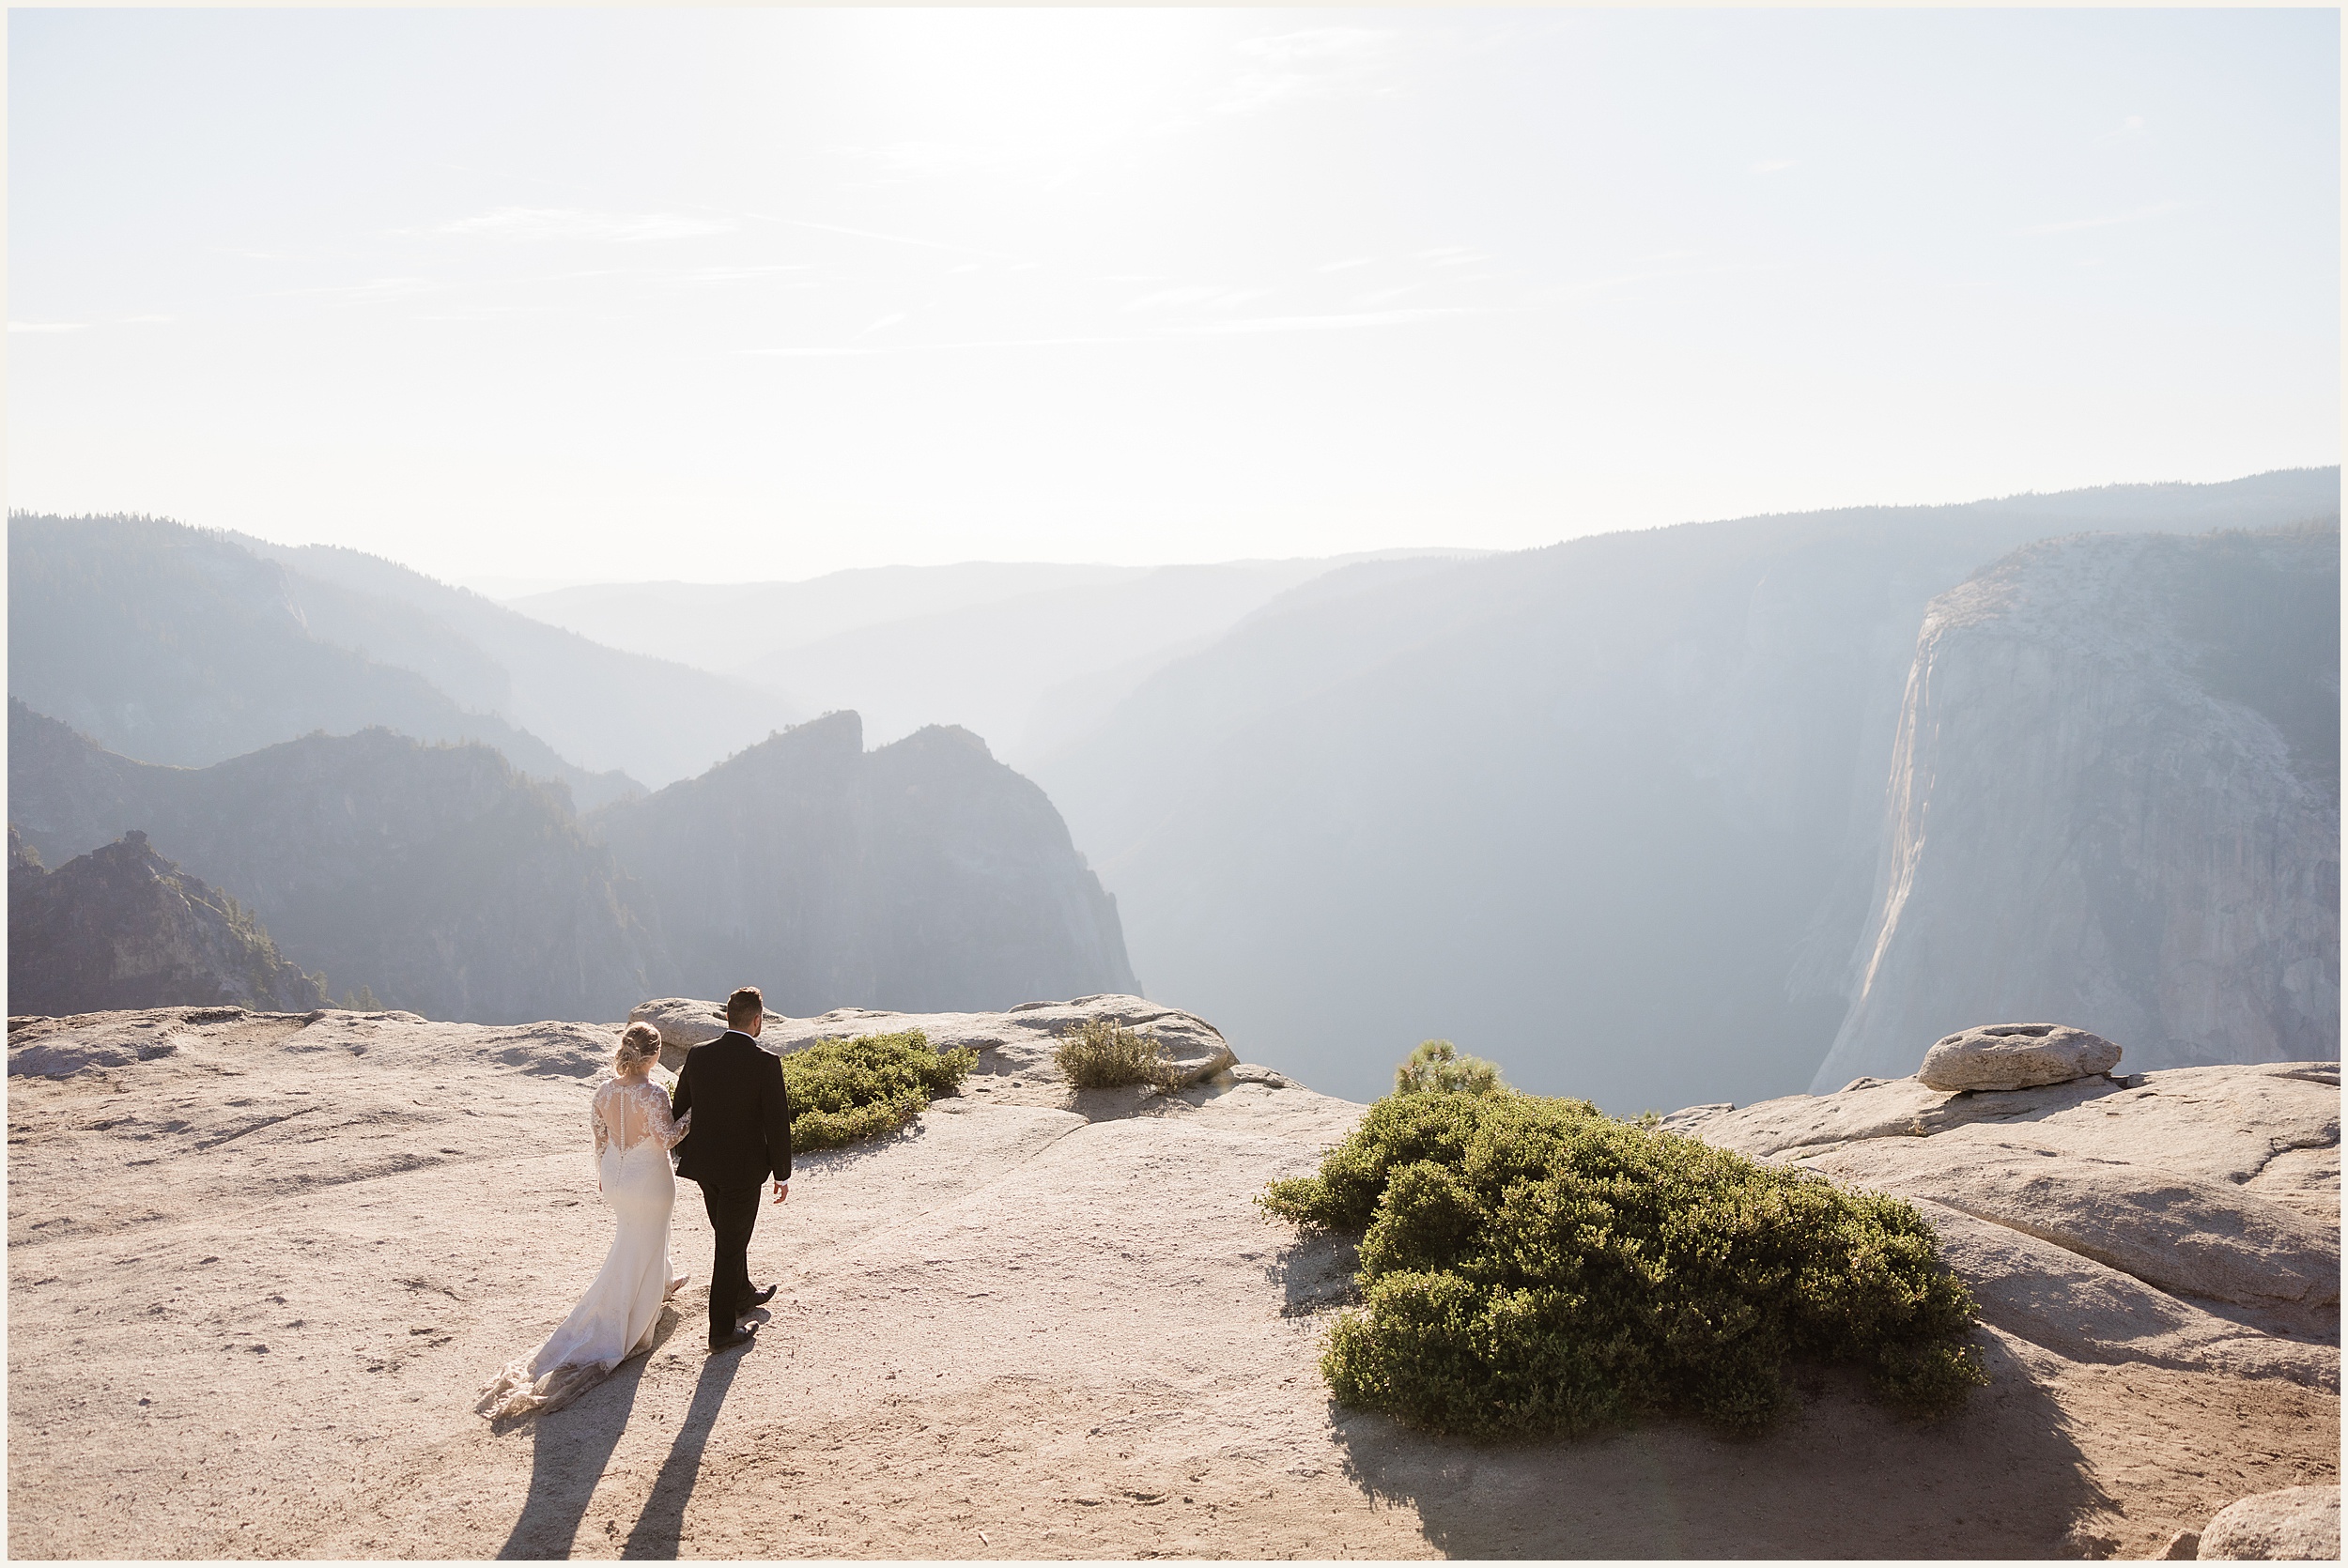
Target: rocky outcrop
pixel 684 1023
pixel 2298 1524
pixel 924 876
pixel 123 927
pixel 437 876
pixel 2114 799
pixel 2182 1234
pixel 2186 1217
pixel 1018 1042
pixel 2014 1056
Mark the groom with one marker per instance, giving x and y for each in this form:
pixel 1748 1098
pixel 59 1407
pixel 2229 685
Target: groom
pixel 741 1135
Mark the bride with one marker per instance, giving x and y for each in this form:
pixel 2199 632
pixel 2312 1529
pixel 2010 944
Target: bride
pixel 634 1133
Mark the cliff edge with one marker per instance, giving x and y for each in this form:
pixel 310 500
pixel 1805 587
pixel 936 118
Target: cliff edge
pixel 1039 1322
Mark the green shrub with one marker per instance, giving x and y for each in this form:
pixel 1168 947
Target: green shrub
pixel 1531 1267
pixel 844 1090
pixel 1438 1067
pixel 1103 1054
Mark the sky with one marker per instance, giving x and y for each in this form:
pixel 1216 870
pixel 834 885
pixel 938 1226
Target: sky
pixel 529 297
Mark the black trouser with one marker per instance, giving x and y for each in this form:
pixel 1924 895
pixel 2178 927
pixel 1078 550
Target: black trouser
pixel 732 1214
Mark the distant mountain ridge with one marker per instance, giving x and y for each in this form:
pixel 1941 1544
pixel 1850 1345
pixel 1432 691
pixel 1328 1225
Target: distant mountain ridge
pixel 181 647
pixel 186 646
pixel 1028 655
pixel 647 713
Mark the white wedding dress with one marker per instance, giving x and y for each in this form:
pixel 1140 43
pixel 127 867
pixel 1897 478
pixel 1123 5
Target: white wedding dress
pixel 634 1133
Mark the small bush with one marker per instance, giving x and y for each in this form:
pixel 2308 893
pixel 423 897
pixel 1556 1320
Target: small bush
pixel 1103 1054
pixel 1437 1066
pixel 1531 1267
pixel 845 1090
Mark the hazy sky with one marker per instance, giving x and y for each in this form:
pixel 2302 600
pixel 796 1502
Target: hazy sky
pixel 613 293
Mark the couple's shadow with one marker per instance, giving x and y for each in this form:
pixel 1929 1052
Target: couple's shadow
pixel 574 1445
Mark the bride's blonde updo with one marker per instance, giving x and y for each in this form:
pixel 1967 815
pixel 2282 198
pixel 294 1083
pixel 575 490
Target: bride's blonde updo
pixel 639 1047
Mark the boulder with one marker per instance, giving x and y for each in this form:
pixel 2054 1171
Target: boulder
pixel 2297 1523
pixel 682 1022
pixel 2016 1056
pixel 1017 1041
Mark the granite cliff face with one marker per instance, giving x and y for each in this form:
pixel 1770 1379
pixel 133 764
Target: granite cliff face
pixel 922 876
pixel 1608 810
pixel 123 927
pixel 437 876
pixel 2114 800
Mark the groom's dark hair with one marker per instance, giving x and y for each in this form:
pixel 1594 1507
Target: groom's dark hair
pixel 746 1005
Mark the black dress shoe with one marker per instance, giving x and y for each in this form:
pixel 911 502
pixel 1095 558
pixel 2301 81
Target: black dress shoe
pixel 756 1299
pixel 734 1341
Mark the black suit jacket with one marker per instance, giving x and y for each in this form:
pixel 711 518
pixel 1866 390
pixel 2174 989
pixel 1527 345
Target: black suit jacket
pixel 741 1114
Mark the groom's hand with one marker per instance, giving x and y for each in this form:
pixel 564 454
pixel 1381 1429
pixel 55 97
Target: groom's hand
pixel 782 1190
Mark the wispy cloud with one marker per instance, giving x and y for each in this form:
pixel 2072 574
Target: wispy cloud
pixel 1316 62
pixel 2104 221
pixel 368 290
pixel 1353 321
pixel 47 326
pixel 847 350
pixel 1349 322
pixel 914 240
pixel 2131 127
pixel 693 277
pixel 903 163
pixel 573 224
pixel 891 319
pixel 1198 297
pixel 1345 266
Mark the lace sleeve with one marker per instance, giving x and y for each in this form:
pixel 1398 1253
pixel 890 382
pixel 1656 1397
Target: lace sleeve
pixel 594 1119
pixel 668 1127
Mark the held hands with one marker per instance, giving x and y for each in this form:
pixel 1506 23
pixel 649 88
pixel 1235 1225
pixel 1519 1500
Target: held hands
pixel 782 1190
